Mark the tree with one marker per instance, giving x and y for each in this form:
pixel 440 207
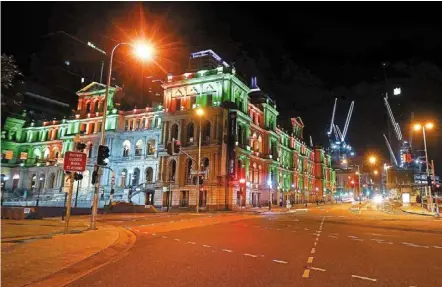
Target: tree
pixel 9 71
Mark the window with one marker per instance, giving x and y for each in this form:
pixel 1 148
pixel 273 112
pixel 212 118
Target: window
pixel 46 154
pixel 136 177
pixel 172 169
pixel 95 106
pixel 33 181
pixel 126 148
pixel 184 198
pixel 123 178
pixel 15 180
pixel 139 147
pixel 205 165
pixel 177 104
pixel 89 150
pixel 174 133
pixel 82 128
pixel 193 102
pixel 88 107
pixel 206 132
pixel 188 174
pixel 209 100
pixel 190 132
pixel 127 125
pixel 51 180
pixel 149 174
pixel 151 147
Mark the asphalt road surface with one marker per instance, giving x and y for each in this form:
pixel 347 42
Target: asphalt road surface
pixel 325 246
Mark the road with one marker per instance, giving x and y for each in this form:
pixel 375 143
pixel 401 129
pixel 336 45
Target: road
pixel 325 246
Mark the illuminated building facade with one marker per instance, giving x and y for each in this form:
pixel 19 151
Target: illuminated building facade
pixel 245 155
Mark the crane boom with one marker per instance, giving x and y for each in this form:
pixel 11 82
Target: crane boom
pixel 339 133
pixel 390 150
pixel 333 118
pixel 336 133
pixel 347 122
pixel 395 125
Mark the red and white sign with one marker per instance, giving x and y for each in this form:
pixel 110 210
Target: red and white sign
pixel 74 161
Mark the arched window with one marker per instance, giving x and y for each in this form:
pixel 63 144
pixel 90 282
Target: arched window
pixel 33 181
pixel 136 177
pixel 15 180
pixel 206 132
pixel 47 154
pixel 96 103
pixel 51 183
pixel 174 133
pixel 151 147
pixel 123 176
pixel 88 107
pixel 149 174
pixel 37 154
pixel 126 148
pixel 205 164
pixel 55 152
pixel 42 181
pixel 139 147
pixel 190 132
pixel 241 169
pixel 172 169
pixel 188 175
pixel 240 138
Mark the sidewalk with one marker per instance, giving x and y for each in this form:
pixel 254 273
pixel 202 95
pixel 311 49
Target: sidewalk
pixel 417 210
pixel 34 249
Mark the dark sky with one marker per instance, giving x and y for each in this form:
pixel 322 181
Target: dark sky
pixel 304 54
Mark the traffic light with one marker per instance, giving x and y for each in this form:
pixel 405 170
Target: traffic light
pixel 176 146
pixel 95 175
pixel 103 155
pixel 78 176
pixel 169 149
pixel 81 146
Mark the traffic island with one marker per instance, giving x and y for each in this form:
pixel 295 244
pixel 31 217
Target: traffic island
pixel 62 258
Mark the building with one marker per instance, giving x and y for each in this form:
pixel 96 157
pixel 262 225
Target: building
pixel 246 158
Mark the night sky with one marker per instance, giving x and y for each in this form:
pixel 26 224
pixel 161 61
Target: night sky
pixel 304 54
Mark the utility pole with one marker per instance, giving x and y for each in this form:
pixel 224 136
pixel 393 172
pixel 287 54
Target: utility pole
pixel 68 209
pixel 76 194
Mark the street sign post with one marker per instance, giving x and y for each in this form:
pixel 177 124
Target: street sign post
pixel 74 161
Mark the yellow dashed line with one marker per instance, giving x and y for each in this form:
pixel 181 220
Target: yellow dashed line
pixel 306 273
pixel 310 260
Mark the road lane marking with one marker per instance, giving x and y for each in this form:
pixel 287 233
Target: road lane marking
pixel 316 243
pixel 351 236
pixel 310 260
pixel 306 229
pixel 278 229
pixel 313 251
pixel 190 242
pixel 438 247
pixel 414 245
pixel 317 238
pixel 250 255
pixel 357 239
pixel 153 234
pixel 333 237
pixel 317 269
pixel 306 273
pixel 279 261
pixel 227 250
pixel 176 239
pixel 206 246
pixel 164 236
pixel 364 278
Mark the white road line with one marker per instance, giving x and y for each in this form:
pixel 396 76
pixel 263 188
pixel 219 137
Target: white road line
pixel 250 255
pixel 306 229
pixel 176 239
pixel 313 251
pixel 206 245
pixel 153 234
pixel 414 245
pixel 351 236
pixel 363 278
pixel 310 260
pixel 190 242
pixel 227 250
pixel 279 261
pixel 317 238
pixel 164 236
pixel 438 247
pixel 317 269
pixel 278 229
pixel 316 243
pixel 357 239
pixel 333 237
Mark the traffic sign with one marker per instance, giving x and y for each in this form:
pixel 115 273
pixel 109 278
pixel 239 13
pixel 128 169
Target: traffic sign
pixel 74 161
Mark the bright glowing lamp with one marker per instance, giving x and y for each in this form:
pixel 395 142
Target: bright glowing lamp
pixel 200 112
pixel 144 51
pixel 378 199
pixel 372 159
pixel 429 125
pixel 417 127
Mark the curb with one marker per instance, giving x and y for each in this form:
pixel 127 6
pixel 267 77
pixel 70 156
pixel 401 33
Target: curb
pixel 416 213
pixel 76 271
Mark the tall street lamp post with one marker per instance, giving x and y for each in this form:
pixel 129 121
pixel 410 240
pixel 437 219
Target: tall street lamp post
pixel 418 127
pixel 143 51
pixel 200 113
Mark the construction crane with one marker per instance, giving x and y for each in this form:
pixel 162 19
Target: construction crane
pixel 390 150
pixel 333 118
pixel 393 121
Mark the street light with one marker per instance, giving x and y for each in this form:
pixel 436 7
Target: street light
pixel 372 159
pixel 200 114
pixel 144 51
pixel 429 126
pixel 375 172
